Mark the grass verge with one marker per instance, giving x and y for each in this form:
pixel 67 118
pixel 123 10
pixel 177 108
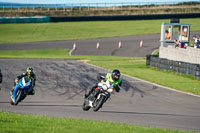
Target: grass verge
pixel 20 123
pixel 16 33
pixel 128 65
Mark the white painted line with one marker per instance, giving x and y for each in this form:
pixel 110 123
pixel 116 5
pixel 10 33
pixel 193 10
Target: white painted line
pixel 141 80
pixel 135 81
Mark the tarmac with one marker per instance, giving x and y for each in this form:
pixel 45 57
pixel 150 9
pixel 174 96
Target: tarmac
pixel 61 84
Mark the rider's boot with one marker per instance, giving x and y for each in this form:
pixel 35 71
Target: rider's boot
pixel 89 93
pixel 31 92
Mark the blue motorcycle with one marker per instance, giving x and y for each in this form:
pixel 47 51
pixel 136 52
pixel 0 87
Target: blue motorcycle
pixel 21 90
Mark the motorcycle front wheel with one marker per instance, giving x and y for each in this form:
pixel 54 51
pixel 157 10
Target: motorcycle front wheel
pixel 98 103
pixel 17 97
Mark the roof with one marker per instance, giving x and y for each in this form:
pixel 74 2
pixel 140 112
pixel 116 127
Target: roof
pixel 176 24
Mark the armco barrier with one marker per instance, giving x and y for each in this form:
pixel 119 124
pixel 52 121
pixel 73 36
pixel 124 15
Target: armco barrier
pixel 44 19
pixel 175 66
pixel 124 17
pixel 38 19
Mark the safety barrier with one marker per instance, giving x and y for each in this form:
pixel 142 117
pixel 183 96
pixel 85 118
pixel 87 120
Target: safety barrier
pixel 190 54
pixel 38 19
pixel 124 17
pixel 175 66
pixel 45 19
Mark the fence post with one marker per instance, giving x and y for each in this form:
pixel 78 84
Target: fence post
pixel 3 7
pixel 48 8
pixel 88 6
pixel 26 8
pixel 197 72
pixel 41 8
pixel 148 60
pixel 11 7
pixel 33 8
pixel 114 7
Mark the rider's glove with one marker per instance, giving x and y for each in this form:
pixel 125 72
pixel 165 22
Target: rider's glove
pixel 16 80
pixel 100 77
pixel 117 88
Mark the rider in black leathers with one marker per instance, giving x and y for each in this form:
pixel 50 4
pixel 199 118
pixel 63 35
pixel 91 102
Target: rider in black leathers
pixel 29 73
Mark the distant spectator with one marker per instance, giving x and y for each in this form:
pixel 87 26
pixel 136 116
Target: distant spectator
pixel 184 33
pixel 183 36
pixel 179 44
pixel 196 42
pixel 167 35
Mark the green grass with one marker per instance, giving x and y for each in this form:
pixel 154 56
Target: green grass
pixel 137 68
pixel 127 65
pixel 155 52
pixel 16 33
pixel 20 123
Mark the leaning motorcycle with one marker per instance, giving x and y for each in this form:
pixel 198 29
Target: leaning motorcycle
pixel 96 100
pixel 20 91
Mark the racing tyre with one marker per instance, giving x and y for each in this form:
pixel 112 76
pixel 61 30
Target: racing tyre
pixel 11 102
pixel 85 107
pixel 18 96
pixel 98 103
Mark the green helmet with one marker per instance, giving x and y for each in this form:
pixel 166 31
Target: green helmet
pixel 29 71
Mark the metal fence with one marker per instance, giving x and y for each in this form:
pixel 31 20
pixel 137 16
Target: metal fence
pixel 97 9
pixel 91 6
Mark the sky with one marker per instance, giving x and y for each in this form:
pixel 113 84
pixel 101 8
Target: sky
pixel 87 1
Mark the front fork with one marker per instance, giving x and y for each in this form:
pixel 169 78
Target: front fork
pixel 14 93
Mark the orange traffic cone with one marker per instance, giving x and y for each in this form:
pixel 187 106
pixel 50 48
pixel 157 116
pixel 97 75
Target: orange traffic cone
pixel 97 45
pixel 141 43
pixel 120 44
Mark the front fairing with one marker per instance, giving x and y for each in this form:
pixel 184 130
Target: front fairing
pixel 106 85
pixel 20 85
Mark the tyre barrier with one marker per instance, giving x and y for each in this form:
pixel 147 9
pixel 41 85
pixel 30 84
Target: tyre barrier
pixel 124 17
pixel 46 19
pixel 175 66
pixel 37 19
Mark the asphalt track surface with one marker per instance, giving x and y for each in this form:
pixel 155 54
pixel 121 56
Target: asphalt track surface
pixel 61 85
pixel 108 46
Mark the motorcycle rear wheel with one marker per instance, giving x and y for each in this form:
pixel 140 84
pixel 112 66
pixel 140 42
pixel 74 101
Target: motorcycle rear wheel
pixel 85 107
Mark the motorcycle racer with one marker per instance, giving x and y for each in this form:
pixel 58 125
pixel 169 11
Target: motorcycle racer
pixel 113 78
pixel 30 74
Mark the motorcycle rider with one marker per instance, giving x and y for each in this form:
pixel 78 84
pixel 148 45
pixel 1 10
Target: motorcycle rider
pixel 30 74
pixel 113 78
